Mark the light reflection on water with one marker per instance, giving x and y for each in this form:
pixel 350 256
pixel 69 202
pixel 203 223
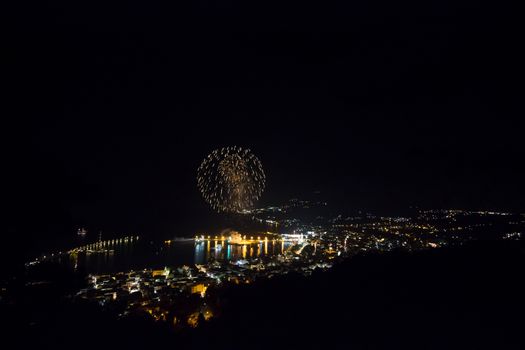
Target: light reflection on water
pixel 136 255
pixel 206 251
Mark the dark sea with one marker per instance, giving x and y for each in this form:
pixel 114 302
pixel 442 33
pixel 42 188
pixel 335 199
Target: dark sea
pixel 125 255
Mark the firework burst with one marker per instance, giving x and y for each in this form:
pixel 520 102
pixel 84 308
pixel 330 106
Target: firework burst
pixel 231 179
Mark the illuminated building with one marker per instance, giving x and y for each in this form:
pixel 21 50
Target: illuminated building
pixel 164 272
pixel 199 288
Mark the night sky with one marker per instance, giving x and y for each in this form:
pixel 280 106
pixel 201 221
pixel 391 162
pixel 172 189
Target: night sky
pixel 377 105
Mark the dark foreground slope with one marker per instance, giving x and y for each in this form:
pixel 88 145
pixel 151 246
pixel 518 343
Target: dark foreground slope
pixel 465 298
